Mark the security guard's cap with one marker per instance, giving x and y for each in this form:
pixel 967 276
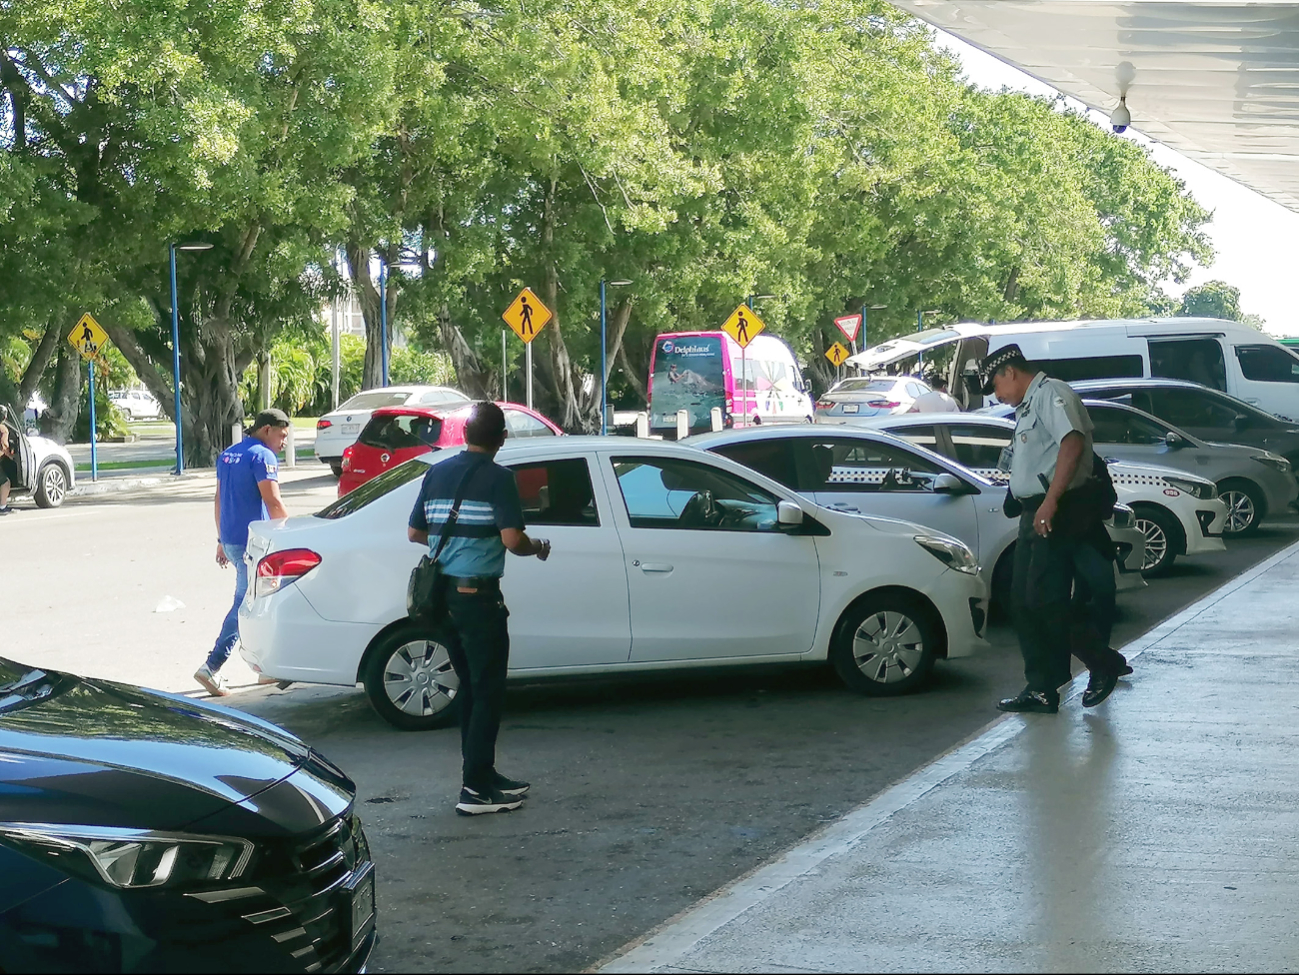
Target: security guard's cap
pixel 1009 355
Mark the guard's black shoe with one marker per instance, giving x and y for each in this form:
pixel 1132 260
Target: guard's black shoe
pixel 474 803
pixel 1124 670
pixel 510 787
pixel 1033 702
pixel 1099 687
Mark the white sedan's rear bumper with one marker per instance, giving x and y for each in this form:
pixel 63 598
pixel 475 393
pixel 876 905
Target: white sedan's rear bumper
pixel 282 636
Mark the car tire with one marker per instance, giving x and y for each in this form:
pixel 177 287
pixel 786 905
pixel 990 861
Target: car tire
pixel 409 681
pixel 337 469
pixel 1245 506
pixel 51 485
pixel 1164 538
pixel 885 644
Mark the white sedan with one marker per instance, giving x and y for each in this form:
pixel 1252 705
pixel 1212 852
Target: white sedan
pixel 1179 513
pixel 338 430
pixel 873 472
pixel 663 557
pixel 45 468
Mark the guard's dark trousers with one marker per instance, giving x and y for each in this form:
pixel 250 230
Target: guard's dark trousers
pixel 478 641
pixel 1092 611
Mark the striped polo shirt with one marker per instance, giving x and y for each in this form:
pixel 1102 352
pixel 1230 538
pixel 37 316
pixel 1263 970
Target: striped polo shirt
pixel 491 504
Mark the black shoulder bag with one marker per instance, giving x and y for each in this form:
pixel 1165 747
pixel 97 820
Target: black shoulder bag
pixel 426 600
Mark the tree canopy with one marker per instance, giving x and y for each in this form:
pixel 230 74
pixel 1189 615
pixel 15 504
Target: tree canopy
pixel 824 153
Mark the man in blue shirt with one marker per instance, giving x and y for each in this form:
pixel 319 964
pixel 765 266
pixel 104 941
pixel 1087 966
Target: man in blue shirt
pixel 248 490
pixel 476 634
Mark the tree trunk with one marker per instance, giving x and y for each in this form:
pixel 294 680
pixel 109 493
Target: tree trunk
pixel 475 379
pixel 632 376
pixel 367 296
pixel 36 367
pixel 65 402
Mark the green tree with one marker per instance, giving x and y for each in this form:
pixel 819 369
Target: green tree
pixel 1213 299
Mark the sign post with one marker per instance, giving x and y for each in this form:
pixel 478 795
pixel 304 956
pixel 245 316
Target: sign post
pixel 88 337
pixel 744 325
pixel 527 315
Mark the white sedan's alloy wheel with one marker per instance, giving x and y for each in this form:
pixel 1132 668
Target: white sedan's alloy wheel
pixel 1156 543
pixel 888 647
pixel 418 678
pixel 1240 511
pixel 52 486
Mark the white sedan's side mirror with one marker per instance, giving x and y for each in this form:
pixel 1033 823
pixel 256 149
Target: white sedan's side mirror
pixel 948 484
pixel 788 514
pixel 1174 441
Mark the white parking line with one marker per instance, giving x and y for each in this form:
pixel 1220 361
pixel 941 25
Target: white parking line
pixel 664 947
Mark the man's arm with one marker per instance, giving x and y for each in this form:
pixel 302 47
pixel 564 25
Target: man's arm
pixel 1066 466
pixel 270 491
pixel 416 535
pixel 518 542
pixel 216 510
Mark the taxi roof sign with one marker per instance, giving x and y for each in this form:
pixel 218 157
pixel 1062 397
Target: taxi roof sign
pixel 743 325
pixel 527 315
pixel 837 353
pixel 88 337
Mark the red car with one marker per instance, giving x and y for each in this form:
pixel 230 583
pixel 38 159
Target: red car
pixel 397 433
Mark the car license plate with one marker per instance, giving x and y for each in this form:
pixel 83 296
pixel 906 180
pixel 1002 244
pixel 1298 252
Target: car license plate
pixel 362 907
pixel 351 428
pixel 850 407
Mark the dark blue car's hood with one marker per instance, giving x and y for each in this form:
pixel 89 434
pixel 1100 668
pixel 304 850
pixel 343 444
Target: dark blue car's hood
pixel 97 752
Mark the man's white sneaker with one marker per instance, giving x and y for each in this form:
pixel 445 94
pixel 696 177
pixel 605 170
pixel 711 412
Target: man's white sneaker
pixel 211 682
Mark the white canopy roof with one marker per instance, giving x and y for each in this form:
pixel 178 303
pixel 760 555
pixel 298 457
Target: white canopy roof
pixel 1217 81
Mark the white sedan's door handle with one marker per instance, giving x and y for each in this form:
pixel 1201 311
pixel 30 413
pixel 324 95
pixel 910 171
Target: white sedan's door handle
pixel 654 566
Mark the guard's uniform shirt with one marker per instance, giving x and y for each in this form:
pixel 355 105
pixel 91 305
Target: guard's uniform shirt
pixel 1050 411
pixel 491 504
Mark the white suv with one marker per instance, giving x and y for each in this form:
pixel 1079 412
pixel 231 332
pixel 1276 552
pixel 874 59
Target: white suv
pixel 136 404
pixel 45 469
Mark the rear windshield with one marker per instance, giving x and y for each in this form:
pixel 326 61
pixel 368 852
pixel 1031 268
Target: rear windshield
pixel 400 432
pixel 374 489
pixel 864 385
pixel 374 399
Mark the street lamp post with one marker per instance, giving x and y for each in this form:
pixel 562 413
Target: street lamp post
pixel 864 309
pixel 604 353
pixel 175 345
pixel 383 321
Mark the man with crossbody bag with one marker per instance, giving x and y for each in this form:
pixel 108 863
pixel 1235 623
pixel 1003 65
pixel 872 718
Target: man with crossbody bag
pixel 472 505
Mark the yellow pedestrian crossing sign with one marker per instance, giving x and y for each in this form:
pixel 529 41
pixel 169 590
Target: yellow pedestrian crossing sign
pixel 527 315
pixel 88 337
pixel 743 325
pixel 836 353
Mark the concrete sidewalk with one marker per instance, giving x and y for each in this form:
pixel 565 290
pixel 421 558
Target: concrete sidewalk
pixel 1154 833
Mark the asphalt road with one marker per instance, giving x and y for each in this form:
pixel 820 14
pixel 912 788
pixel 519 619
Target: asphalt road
pixel 650 794
pixel 647 795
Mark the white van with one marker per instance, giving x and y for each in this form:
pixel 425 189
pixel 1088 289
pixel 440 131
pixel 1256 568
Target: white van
pixel 1228 356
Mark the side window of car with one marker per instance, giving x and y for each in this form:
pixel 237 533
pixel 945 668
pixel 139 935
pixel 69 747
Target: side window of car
pixel 1268 364
pixel 1195 360
pixel 521 425
pixel 557 492
pixel 924 436
pixel 979 447
pixel 774 458
pixel 1190 408
pixel 869 467
pixel 669 493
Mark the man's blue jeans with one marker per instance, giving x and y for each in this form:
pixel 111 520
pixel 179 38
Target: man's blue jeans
pixel 230 628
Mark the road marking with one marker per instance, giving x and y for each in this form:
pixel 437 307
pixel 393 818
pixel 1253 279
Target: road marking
pixel 664 947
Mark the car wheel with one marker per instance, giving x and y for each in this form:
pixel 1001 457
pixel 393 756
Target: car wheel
pixel 1245 506
pixel 337 469
pixel 1163 537
pixel 885 645
pixel 51 485
pixel 409 680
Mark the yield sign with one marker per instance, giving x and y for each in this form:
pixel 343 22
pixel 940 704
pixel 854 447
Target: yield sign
pixel 836 353
pixel 743 325
pixel 88 337
pixel 527 315
pixel 850 325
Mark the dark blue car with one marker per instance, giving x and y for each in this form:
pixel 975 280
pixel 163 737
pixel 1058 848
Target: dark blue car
pixel 146 832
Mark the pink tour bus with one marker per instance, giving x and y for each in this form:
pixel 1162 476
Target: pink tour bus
pixel 697 371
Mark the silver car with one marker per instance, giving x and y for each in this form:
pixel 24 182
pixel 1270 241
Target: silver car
pixel 860 397
pixel 1253 482
pixel 864 471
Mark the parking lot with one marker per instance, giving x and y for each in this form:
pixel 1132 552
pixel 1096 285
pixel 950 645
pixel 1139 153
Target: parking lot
pixel 647 796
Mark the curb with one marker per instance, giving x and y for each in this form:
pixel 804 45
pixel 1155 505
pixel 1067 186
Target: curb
pixel 113 485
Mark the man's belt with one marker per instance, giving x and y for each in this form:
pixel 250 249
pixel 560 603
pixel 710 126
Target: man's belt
pixel 474 582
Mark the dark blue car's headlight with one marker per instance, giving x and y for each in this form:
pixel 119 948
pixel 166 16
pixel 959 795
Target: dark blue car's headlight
pixel 132 858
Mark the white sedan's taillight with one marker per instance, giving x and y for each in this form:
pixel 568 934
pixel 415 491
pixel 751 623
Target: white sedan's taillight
pixel 279 569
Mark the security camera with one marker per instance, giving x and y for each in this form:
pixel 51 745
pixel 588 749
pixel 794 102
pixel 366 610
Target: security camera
pixel 1121 118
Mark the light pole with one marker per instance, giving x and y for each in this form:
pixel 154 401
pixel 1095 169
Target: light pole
pixel 175 344
pixel 864 309
pixel 383 321
pixel 604 353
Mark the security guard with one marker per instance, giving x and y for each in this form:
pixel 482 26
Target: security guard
pixel 1051 461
